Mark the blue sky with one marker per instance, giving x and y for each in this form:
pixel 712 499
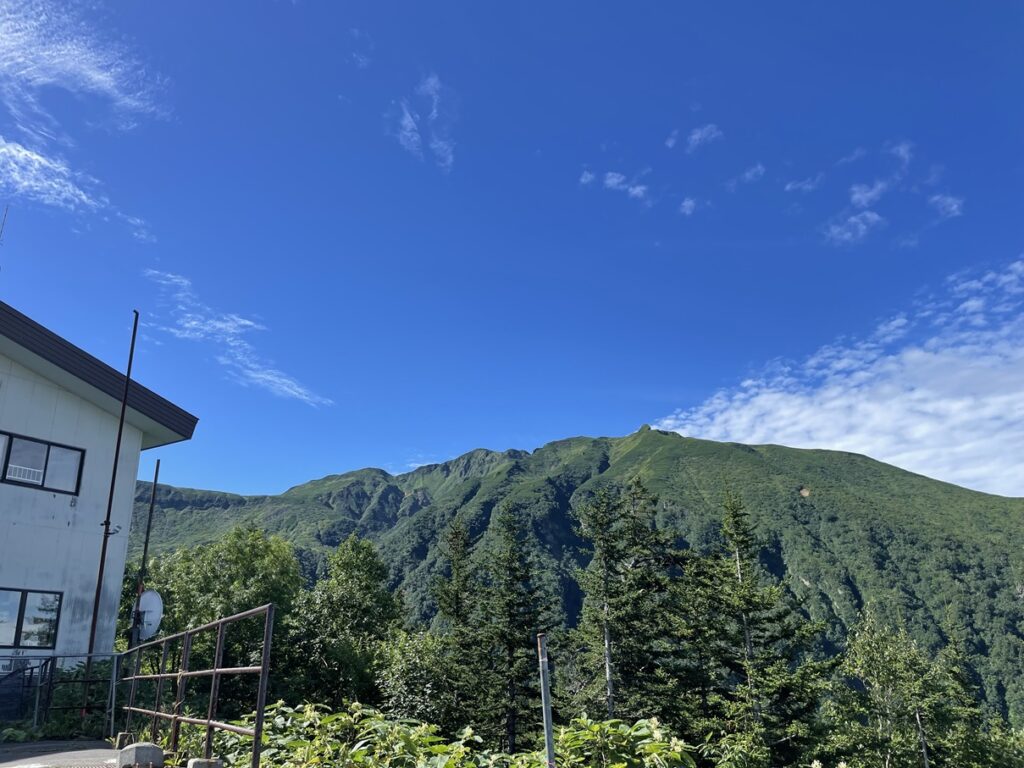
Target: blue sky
pixel 377 234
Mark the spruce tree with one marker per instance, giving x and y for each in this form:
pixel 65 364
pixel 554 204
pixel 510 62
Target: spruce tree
pixel 626 626
pixel 772 679
pixel 510 617
pixel 458 593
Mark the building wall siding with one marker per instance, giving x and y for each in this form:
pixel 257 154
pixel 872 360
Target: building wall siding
pixel 51 541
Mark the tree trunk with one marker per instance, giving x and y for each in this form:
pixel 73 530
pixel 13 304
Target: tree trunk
pixel 920 735
pixel 609 685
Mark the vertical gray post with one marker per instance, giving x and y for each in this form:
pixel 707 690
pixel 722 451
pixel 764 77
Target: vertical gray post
pixel 261 693
pixel 39 685
pixel 115 674
pixel 609 685
pixel 545 697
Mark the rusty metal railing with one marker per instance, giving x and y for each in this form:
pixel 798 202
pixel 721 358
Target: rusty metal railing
pixel 184 673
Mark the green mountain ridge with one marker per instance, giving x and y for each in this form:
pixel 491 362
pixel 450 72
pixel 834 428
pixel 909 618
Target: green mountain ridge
pixel 839 529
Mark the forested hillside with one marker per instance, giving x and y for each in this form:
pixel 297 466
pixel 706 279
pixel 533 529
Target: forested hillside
pixel 839 530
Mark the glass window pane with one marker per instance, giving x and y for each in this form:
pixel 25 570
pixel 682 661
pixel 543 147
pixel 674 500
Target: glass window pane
pixel 27 462
pixel 39 627
pixel 62 469
pixel 10 601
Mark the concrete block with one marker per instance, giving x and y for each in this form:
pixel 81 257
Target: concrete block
pixel 142 754
pixel 198 762
pixel 124 739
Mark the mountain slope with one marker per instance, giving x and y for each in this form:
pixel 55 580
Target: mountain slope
pixel 839 529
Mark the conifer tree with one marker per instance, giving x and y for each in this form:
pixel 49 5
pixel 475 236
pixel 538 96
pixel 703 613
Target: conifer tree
pixel 772 681
pixel 454 593
pixel 626 627
pixel 510 617
pixel 458 593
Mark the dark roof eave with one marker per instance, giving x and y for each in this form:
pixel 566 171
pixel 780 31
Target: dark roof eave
pixel 58 352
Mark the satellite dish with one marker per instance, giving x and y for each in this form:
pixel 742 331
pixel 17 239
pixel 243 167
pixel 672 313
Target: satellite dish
pixel 151 611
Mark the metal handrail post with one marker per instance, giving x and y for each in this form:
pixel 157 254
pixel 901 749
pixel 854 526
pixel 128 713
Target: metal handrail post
pixel 179 698
pixel 131 691
pixel 211 710
pixel 39 685
pixel 115 673
pixel 159 689
pixel 261 696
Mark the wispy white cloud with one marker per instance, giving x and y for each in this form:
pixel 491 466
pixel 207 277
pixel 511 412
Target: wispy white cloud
pixel 688 206
pixel 809 184
pixel 619 182
pixel 849 229
pixel 938 390
pixel 904 150
pixel 749 176
pixel 866 195
pixel 705 134
pixel 948 206
pixel 672 138
pixel 48 180
pixel 46 45
pixel 362 48
pixel 409 132
pixel 753 173
pixel 614 180
pixel 587 176
pixel 853 157
pixel 412 131
pixel 192 320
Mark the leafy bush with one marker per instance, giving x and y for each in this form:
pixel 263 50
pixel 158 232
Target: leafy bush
pixel 360 736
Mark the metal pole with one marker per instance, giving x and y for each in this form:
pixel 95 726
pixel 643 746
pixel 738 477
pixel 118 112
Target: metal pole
pixel 545 697
pixel 39 685
pixel 113 487
pixel 135 631
pixel 261 695
pixel 211 710
pixel 179 696
pixel 159 687
pixel 115 673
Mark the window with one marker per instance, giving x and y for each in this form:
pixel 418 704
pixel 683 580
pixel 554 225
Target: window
pixel 29 619
pixel 62 469
pixel 37 463
pixel 27 461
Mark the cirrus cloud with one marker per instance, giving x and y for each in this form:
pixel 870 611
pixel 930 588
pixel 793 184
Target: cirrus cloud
pixel 190 319
pixel 938 390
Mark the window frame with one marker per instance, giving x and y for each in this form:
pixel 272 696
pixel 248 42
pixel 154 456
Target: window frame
pixel 21 618
pixel 6 458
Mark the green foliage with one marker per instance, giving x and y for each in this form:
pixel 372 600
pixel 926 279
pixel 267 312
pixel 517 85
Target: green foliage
pixel 772 681
pixel 12 735
pixel 626 589
pixel 615 743
pixel 359 736
pixel 337 628
pixel 896 705
pixel 416 680
pixel 509 617
pixel 241 570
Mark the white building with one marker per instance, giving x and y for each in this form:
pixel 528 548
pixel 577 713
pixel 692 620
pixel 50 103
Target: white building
pixel 59 409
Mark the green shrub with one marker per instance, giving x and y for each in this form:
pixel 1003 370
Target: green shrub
pixel 359 736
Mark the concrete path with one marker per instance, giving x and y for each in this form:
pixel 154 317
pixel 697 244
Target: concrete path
pixel 80 753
